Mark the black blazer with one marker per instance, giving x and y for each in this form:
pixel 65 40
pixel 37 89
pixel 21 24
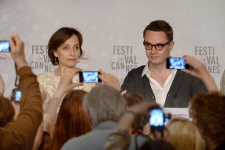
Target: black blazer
pixel 184 86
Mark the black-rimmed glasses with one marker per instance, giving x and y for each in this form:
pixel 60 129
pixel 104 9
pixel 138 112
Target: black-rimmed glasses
pixel 158 47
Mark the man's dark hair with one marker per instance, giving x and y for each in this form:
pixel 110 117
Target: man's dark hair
pixel 160 25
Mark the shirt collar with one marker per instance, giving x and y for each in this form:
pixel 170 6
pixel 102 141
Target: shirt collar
pixel 147 71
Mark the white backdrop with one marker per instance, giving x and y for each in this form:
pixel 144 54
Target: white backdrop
pixel 111 26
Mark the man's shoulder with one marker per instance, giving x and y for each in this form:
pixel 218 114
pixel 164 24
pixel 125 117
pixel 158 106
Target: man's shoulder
pixel 92 140
pixel 96 140
pixel 137 70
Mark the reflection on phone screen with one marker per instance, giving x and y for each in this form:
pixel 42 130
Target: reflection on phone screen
pixel 166 121
pixel 4 46
pixel 177 63
pixel 17 95
pixel 90 77
pixel 156 118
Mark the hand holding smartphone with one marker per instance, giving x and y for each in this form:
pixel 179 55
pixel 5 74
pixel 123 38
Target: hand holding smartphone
pixel 176 63
pixel 4 46
pixel 89 77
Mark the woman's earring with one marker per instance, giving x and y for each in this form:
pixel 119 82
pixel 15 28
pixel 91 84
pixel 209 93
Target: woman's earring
pixel 56 63
pixel 78 61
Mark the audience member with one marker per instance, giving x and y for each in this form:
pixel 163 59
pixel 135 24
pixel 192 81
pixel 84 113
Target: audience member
pixel 71 120
pixel 138 125
pixel 208 109
pixel 20 134
pixel 120 138
pixel 52 105
pixel 104 106
pixel 185 135
pixel 208 115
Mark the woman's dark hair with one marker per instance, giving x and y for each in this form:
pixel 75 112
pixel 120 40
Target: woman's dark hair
pixel 7 111
pixel 58 38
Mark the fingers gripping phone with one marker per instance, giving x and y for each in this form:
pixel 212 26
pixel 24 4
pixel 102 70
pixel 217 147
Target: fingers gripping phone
pixel 89 77
pixel 156 120
pixel 176 63
pixel 4 46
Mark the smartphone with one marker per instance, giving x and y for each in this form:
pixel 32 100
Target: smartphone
pixel 89 77
pixel 4 46
pixel 156 119
pixel 167 117
pixel 176 63
pixel 16 95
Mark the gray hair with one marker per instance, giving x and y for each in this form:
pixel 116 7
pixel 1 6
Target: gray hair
pixel 104 103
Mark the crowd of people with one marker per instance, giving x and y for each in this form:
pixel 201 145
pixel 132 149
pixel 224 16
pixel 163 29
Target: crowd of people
pixel 56 111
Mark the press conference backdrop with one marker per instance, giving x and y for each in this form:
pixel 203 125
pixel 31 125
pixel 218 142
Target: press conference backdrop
pixel 112 32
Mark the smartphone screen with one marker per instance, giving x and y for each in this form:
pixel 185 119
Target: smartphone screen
pixel 156 120
pixel 16 95
pixel 176 63
pixel 4 47
pixel 89 77
pixel 167 117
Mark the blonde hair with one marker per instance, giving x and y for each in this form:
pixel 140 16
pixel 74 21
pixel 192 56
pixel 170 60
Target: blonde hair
pixel 104 104
pixel 185 135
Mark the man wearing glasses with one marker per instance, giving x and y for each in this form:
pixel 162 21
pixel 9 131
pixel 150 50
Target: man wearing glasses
pixel 167 87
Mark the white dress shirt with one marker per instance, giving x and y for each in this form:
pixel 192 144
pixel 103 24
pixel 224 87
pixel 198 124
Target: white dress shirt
pixel 159 91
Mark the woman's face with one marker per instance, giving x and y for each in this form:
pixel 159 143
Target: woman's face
pixel 68 53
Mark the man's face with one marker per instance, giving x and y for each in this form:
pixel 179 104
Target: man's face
pixel 158 57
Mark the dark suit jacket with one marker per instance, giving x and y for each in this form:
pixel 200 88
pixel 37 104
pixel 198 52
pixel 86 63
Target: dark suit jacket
pixel 184 86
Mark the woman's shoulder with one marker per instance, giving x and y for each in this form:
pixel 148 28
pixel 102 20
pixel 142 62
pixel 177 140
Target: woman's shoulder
pixel 42 78
pixel 47 74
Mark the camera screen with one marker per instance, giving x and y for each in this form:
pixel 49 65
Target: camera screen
pixel 156 118
pixel 17 96
pixel 90 77
pixel 177 63
pixel 4 46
